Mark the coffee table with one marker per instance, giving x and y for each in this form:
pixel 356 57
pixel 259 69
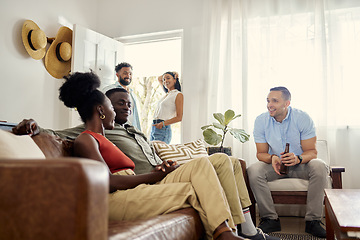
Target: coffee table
pixel 342 212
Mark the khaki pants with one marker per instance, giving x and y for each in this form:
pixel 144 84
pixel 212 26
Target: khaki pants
pixel 230 174
pixel 193 184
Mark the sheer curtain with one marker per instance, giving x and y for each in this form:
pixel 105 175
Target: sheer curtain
pixel 310 46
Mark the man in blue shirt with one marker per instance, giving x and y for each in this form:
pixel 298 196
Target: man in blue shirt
pixel 272 130
pixel 124 75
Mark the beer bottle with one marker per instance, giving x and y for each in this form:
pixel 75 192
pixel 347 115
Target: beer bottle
pixel 285 169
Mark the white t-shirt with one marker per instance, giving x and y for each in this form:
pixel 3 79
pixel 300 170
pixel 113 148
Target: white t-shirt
pixel 166 108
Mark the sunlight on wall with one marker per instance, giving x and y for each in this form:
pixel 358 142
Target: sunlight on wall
pixel 154 58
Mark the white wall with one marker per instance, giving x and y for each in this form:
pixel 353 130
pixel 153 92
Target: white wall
pixel 26 89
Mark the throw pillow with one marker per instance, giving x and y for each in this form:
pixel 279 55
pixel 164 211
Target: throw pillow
pixel 181 153
pixel 18 147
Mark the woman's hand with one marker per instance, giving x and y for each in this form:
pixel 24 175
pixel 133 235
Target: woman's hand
pixel 160 79
pixel 159 125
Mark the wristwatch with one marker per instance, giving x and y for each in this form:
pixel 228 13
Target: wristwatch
pixel 300 159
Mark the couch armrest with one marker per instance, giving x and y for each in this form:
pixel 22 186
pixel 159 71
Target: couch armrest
pixel 62 198
pixel 243 167
pixel 335 173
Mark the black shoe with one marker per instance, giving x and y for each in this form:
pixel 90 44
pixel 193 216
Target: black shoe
pixel 259 236
pixel 314 228
pixel 268 225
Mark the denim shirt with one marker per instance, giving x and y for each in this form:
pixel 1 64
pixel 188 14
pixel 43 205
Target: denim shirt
pixel 296 126
pixel 128 139
pixel 134 118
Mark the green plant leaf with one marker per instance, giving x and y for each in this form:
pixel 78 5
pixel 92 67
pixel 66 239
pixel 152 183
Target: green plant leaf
pixel 239 115
pixel 239 134
pixel 206 127
pixel 218 125
pixel 211 137
pixel 229 115
pixel 219 117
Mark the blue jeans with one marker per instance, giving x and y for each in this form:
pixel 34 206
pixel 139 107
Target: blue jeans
pixel 164 134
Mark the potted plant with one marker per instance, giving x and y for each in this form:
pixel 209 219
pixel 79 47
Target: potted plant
pixel 214 138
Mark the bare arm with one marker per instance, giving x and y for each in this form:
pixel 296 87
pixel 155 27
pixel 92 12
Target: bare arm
pixel 87 147
pixel 161 81
pixel 289 159
pixel 179 103
pixel 309 148
pixel 309 152
pixel 31 128
pixel 262 154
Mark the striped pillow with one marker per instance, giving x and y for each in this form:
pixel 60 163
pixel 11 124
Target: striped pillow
pixel 181 153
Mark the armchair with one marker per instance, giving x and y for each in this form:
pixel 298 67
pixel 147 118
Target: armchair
pixel 294 191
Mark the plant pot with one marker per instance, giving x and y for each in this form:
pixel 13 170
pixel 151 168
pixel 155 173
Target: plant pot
pixel 212 150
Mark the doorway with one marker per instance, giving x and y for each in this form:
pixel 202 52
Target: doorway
pixel 151 55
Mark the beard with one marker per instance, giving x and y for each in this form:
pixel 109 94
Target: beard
pixel 123 82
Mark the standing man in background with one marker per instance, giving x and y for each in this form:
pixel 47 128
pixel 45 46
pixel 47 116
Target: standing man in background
pixel 124 75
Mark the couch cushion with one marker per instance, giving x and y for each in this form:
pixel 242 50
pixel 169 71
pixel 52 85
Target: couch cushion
pixel 181 153
pixel 181 224
pixel 289 184
pixel 18 147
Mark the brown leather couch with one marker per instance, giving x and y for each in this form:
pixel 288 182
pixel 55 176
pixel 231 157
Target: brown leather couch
pixel 66 198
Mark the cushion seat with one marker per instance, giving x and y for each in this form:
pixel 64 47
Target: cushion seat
pixel 289 184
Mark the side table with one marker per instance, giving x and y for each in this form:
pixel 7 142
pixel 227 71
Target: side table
pixel 342 212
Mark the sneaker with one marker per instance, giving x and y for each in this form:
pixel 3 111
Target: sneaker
pixel 314 228
pixel 259 236
pixel 268 225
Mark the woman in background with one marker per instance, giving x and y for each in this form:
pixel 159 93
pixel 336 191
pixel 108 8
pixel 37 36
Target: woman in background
pixel 168 188
pixel 169 109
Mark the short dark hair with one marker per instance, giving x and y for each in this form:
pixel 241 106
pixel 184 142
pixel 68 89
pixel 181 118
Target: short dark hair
pixel 114 90
pixel 284 91
pixel 80 91
pixel 121 65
